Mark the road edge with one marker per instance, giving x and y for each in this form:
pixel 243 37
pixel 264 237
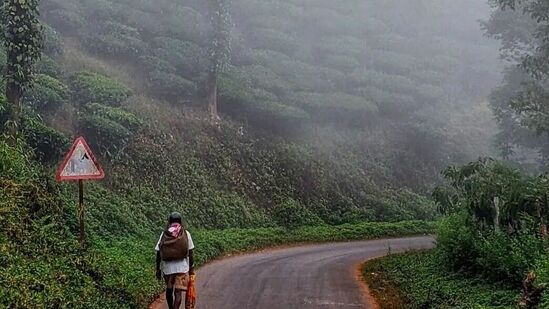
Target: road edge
pixel 367 297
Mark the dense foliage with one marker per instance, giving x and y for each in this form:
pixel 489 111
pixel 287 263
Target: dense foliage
pixel 520 102
pixel 530 49
pixel 94 88
pixel 47 94
pixel 495 231
pixel 498 221
pixel 493 237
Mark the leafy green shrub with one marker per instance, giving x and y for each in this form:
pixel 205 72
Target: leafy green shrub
pixel 398 205
pixel 65 19
pixel 330 44
pixel 494 223
pixel 91 87
pixel 3 57
pixel 53 42
pixel 186 57
pixel 170 85
pixel 274 114
pixel 47 94
pixel 290 213
pixel 342 63
pixel 37 249
pixel 301 76
pixel 394 84
pixel 237 91
pixel 542 271
pixel 501 257
pixel 49 144
pixel 262 77
pixel 219 211
pixel 105 134
pixel 153 63
pixel 187 24
pixel 335 106
pixel 14 163
pixel 117 114
pixel 456 241
pixel 235 86
pixel 48 66
pixel 144 19
pixel 115 39
pixel 270 39
pixel 107 128
pixel 5 111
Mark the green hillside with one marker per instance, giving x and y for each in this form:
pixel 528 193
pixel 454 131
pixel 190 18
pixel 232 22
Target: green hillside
pixel 330 115
pixel 339 79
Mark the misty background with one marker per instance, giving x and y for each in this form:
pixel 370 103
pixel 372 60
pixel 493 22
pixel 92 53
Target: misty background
pixel 399 88
pixel 344 111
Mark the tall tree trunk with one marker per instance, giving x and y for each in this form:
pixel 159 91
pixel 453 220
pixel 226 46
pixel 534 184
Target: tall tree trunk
pixel 543 209
pixel 496 213
pixel 13 96
pixel 211 88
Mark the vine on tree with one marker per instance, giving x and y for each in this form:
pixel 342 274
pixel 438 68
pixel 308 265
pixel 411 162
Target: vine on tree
pixel 219 49
pixel 22 35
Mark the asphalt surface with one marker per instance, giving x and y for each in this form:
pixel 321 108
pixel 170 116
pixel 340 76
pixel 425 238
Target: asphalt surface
pixel 312 276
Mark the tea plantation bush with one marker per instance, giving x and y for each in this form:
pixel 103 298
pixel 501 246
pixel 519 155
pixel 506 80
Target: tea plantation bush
pixel 171 85
pixel 291 213
pixel 48 144
pixel 47 94
pixel 53 41
pixel 91 87
pixel 108 127
pixel 48 66
pixel 111 38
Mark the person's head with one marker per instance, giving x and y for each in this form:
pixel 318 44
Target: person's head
pixel 175 217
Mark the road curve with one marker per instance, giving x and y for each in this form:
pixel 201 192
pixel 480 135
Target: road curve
pixel 312 276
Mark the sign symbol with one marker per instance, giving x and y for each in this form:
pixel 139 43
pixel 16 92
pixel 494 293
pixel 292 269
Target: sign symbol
pixel 79 163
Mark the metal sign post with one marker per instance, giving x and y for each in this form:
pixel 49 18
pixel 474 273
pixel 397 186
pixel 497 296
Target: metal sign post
pixel 80 164
pixel 81 211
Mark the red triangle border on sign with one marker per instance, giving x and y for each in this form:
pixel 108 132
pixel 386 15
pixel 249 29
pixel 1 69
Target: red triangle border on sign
pixel 61 167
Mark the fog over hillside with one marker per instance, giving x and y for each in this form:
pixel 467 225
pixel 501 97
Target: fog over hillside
pixel 396 85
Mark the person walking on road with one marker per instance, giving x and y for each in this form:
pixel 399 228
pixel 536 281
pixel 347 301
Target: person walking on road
pixel 174 260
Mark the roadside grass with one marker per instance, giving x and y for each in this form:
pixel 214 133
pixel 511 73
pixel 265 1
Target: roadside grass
pixel 215 243
pixel 420 280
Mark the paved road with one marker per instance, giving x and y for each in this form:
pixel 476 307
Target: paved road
pixel 313 276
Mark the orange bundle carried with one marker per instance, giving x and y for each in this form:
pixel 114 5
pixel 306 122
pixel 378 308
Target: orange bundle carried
pixel 190 296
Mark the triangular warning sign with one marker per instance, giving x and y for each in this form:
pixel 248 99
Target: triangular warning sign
pixel 79 163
